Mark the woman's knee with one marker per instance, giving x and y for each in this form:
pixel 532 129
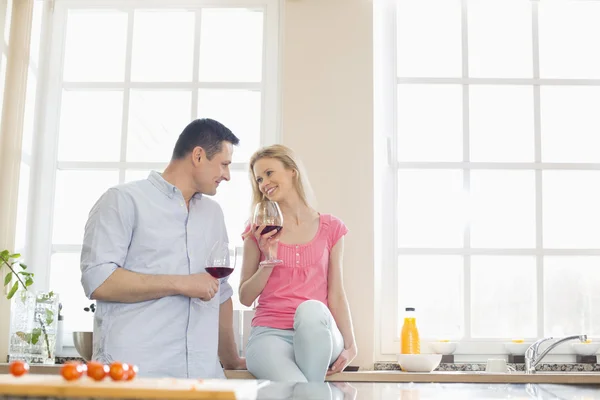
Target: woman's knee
pixel 312 312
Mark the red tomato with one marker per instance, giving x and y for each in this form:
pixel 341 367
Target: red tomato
pixel 132 373
pixel 18 368
pixel 72 371
pixel 118 371
pixel 97 371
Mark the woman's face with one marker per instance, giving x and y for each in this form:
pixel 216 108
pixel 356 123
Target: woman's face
pixel 273 179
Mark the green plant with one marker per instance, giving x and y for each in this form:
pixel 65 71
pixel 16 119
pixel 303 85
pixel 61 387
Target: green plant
pixel 16 269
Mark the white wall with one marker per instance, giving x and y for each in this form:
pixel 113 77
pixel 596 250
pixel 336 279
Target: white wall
pixel 327 117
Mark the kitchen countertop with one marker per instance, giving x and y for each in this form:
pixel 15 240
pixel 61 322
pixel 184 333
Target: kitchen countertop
pixel 422 391
pixel 556 377
pixel 321 391
pixel 573 378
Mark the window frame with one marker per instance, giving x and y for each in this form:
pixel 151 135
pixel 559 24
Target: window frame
pixel 387 165
pixel 49 89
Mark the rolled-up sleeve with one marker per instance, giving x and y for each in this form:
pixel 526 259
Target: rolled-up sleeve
pixel 225 291
pixel 106 239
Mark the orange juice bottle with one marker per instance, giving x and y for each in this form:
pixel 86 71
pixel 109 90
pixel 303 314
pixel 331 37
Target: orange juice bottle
pixel 409 336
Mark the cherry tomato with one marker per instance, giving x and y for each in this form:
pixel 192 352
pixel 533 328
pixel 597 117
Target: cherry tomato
pixel 72 371
pixel 18 368
pixel 132 373
pixel 118 371
pixel 97 371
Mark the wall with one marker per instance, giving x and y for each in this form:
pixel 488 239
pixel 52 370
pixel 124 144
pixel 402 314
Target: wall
pixel 327 117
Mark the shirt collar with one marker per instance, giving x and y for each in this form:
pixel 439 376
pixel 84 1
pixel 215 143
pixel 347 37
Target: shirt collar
pixel 168 189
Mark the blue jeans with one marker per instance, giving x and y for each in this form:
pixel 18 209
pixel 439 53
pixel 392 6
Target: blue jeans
pixel 302 354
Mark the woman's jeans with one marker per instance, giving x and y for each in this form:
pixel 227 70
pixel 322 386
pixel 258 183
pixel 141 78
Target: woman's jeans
pixel 302 354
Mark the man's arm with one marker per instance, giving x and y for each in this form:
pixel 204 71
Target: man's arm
pixel 228 353
pixel 130 287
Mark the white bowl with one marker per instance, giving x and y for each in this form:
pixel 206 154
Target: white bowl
pixel 586 349
pixel 444 348
pixel 516 349
pixel 419 362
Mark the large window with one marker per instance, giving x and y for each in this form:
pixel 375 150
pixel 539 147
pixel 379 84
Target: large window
pixel 123 79
pixel 489 112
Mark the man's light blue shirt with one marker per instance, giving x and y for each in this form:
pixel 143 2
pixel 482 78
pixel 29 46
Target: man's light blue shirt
pixel 145 227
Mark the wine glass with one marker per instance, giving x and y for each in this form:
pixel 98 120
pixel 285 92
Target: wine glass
pixel 219 262
pixel 268 213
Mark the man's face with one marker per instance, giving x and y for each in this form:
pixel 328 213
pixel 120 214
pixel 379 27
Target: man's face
pixel 208 174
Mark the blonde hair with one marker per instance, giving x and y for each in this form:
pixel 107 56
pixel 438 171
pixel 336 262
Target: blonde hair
pixel 291 162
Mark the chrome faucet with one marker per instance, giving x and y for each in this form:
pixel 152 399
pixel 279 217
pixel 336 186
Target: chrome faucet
pixel 533 356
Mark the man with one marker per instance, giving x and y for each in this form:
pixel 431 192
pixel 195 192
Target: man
pixel 143 260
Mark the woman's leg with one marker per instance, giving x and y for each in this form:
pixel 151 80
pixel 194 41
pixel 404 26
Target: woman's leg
pixel 317 339
pixel 270 355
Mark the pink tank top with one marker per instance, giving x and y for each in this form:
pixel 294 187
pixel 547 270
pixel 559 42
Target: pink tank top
pixel 302 276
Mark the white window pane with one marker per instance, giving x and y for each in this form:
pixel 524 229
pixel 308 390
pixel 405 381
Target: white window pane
pixel 430 123
pixel 429 38
pixel 7 22
pixel 431 208
pixel 497 52
pixel 86 135
pixel 571 296
pixel 434 286
pixel 569 33
pixel 29 117
pixel 22 207
pixel 65 279
pixel 502 208
pixel 36 30
pixel 138 174
pixel 235 197
pixel 156 119
pixel 238 110
pixel 570 123
pixel 231 45
pixel 163 46
pixel 571 208
pixel 95 45
pixel 76 193
pixel 501 123
pixel 503 297
pixel 2 79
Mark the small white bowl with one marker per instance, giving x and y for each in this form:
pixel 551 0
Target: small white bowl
pixel 516 349
pixel 419 362
pixel 444 348
pixel 586 349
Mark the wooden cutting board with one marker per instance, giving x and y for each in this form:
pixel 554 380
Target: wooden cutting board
pixel 140 388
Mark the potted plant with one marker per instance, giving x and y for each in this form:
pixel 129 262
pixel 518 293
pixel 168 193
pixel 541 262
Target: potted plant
pixel 33 315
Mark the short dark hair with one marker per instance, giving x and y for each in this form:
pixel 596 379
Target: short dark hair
pixel 206 133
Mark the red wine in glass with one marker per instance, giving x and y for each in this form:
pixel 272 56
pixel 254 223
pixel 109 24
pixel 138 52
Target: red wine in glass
pixel 269 214
pixel 221 259
pixel 219 272
pixel 270 228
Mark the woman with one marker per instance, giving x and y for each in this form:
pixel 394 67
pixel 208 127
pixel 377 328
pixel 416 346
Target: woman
pixel 302 329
